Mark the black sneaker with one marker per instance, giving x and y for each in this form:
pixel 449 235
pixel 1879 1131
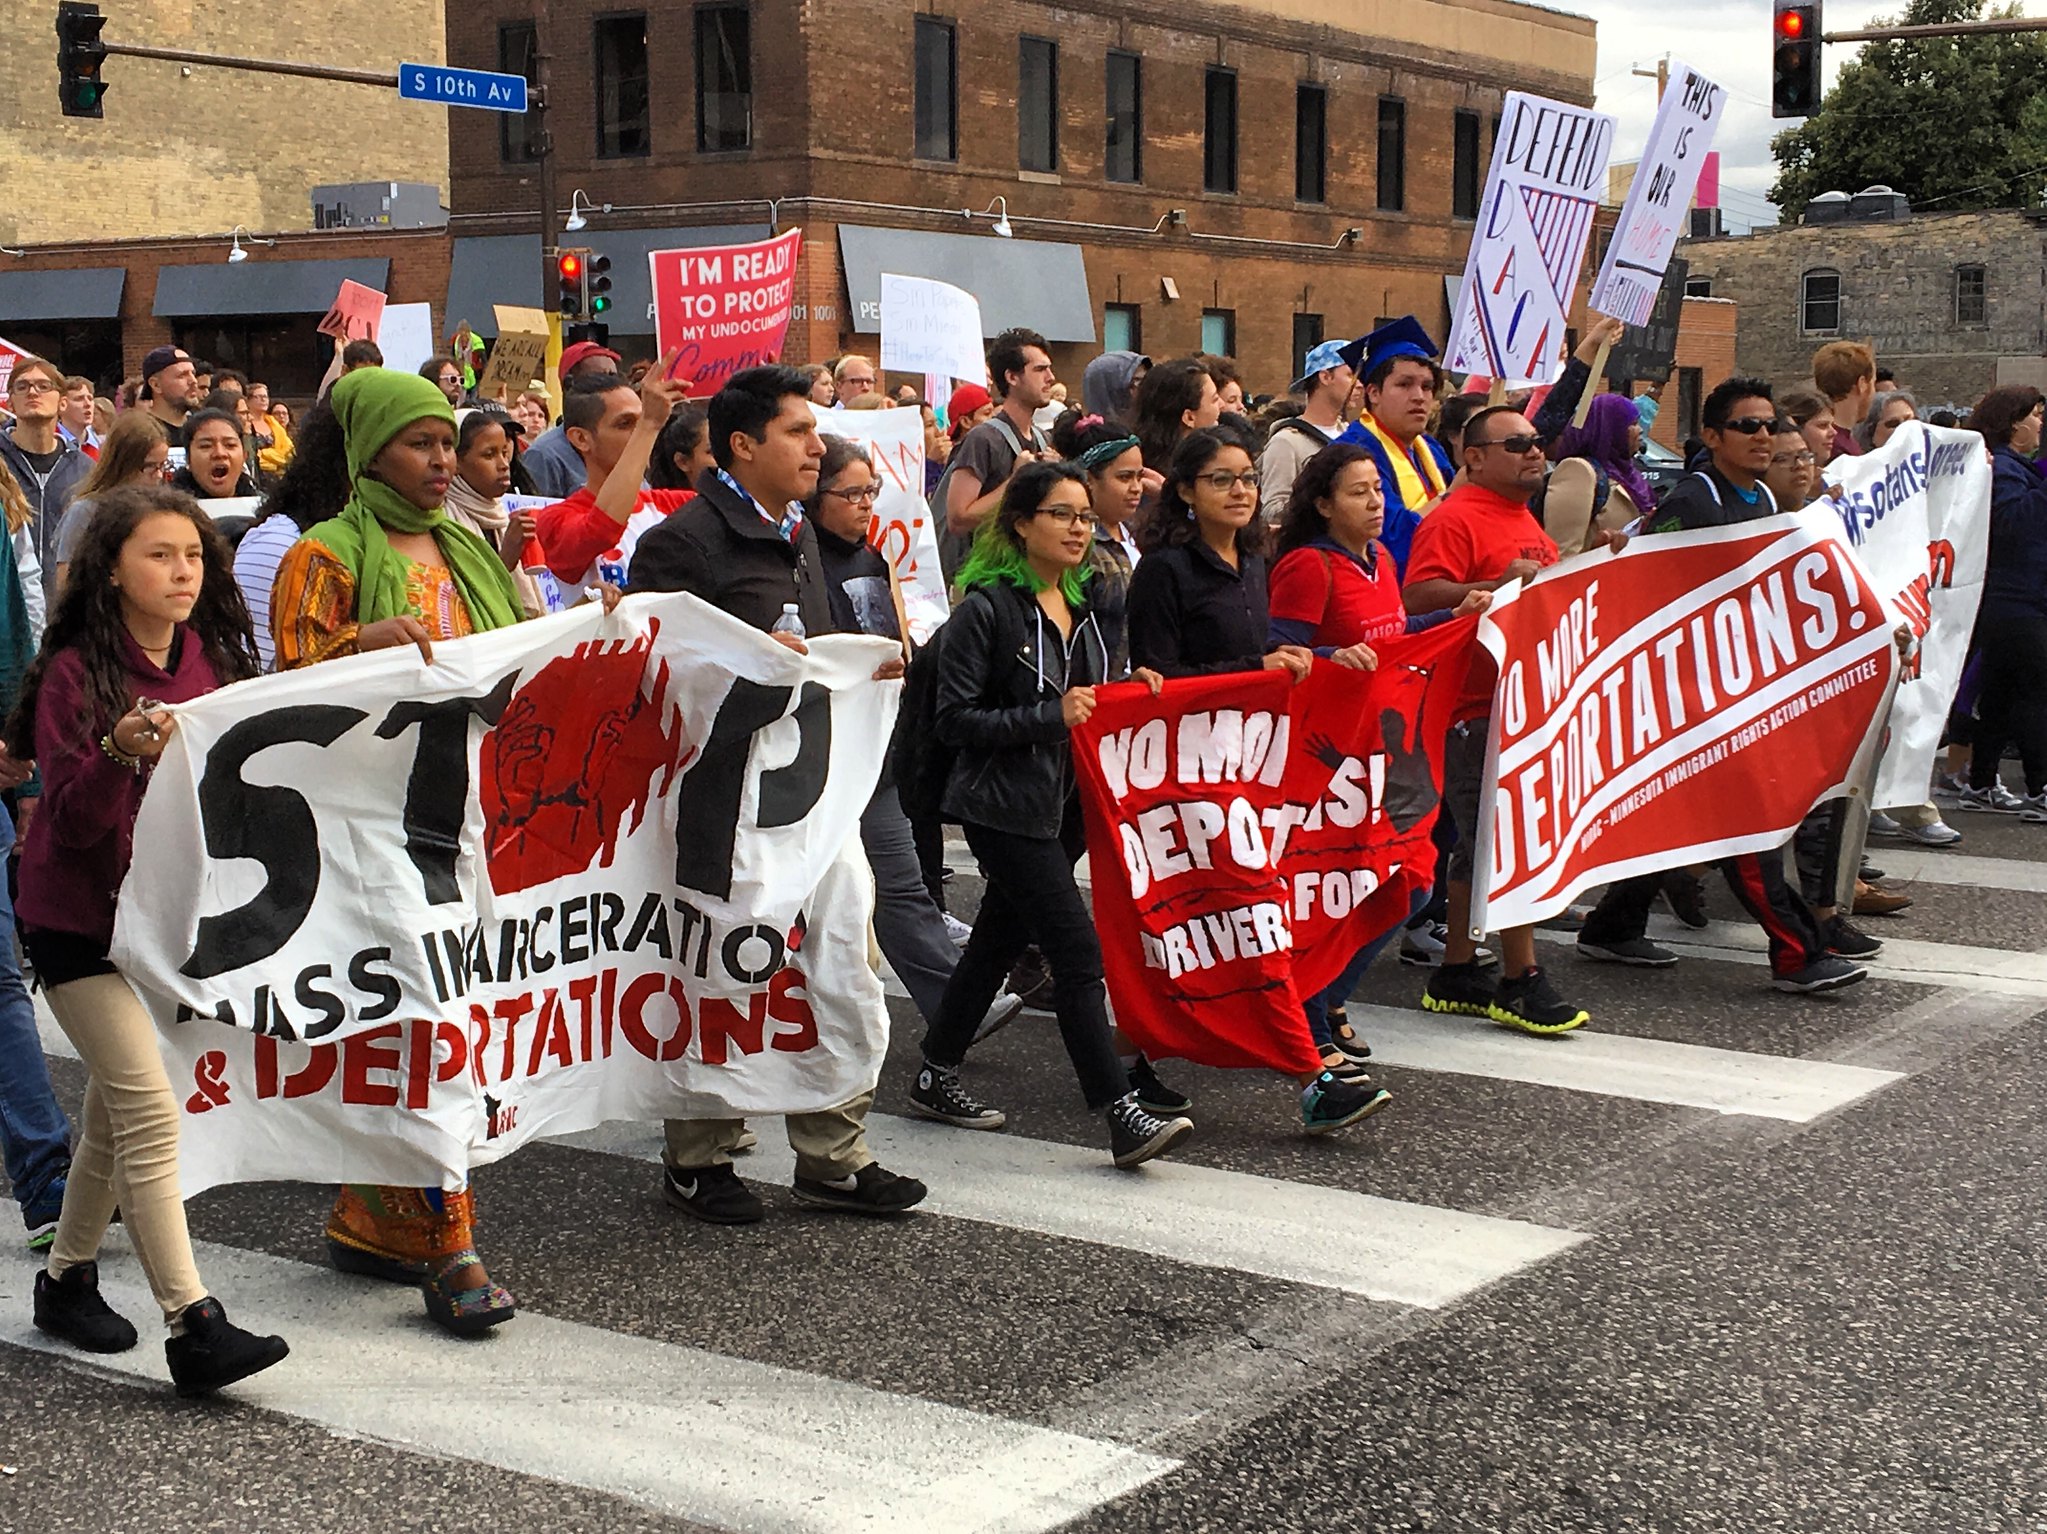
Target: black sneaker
pixel 1349 1043
pixel 871 1190
pixel 1330 1102
pixel 211 1351
pixel 1030 979
pixel 1826 973
pixel 1529 1002
pixel 1153 1095
pixel 711 1193
pixel 1638 951
pixel 1466 989
pixel 1686 897
pixel 1136 1136
pixel 71 1308
pixel 1846 940
pixel 937 1094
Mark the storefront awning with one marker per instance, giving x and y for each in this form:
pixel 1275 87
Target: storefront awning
pixel 1032 283
pixel 487 270
pixel 257 286
pixel 82 293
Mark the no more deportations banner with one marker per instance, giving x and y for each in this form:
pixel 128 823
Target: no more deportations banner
pixel 1689 698
pixel 396 919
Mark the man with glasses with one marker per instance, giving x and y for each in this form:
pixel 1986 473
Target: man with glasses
pixel 853 377
pixel 1741 433
pixel 1794 471
pixel 1480 537
pixel 49 468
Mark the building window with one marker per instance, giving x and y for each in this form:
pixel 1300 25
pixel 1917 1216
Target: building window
pixel 1219 332
pixel 1307 336
pixel 1972 296
pixel 1820 303
pixel 517 45
pixel 1125 158
pixel 1037 105
pixel 937 114
pixel 1311 144
pixel 624 117
pixel 1464 167
pixel 724 78
pixel 1698 287
pixel 1392 154
pixel 1122 328
pixel 1219 136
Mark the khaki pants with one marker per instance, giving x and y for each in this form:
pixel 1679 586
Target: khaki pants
pixel 829 1145
pixel 127 1151
pixel 1914 816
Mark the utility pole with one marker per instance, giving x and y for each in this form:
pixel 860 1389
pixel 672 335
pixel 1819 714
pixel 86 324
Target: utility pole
pixel 1660 74
pixel 1940 29
pixel 543 148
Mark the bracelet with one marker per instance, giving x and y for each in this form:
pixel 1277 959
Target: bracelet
pixel 132 763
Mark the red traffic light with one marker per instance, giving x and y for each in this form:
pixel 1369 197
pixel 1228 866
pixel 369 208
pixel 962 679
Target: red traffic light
pixel 571 267
pixel 1791 23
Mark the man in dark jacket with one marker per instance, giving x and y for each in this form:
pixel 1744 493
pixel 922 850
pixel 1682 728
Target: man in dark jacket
pixel 49 468
pixel 744 545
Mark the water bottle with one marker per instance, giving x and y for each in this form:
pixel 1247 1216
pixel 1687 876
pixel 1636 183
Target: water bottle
pixel 791 621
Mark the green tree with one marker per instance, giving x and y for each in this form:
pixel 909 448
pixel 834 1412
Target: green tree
pixel 1952 122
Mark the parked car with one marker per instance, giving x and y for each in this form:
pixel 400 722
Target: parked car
pixel 1660 466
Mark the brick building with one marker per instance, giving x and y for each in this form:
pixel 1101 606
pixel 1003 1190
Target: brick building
pixel 1175 178
pixel 1954 303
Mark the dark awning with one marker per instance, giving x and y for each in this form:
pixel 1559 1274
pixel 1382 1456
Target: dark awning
pixel 257 286
pixel 505 269
pixel 1033 283
pixel 82 293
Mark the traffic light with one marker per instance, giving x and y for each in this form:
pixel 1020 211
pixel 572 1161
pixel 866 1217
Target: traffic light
pixel 569 268
pixel 1795 61
pixel 80 53
pixel 597 283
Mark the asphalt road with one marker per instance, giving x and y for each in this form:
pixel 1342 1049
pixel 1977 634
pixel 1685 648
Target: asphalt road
pixel 1727 1260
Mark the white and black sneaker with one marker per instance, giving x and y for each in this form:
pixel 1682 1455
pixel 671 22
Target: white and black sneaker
pixel 1000 1014
pixel 937 1094
pixel 1136 1136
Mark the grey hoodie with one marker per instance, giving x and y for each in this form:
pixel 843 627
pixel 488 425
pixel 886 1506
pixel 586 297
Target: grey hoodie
pixel 1105 386
pixel 48 495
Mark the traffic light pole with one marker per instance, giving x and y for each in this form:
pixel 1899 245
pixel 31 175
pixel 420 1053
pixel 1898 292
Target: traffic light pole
pixel 543 148
pixel 1940 29
pixel 258 66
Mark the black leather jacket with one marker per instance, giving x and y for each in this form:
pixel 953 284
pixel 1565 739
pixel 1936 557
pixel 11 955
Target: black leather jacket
pixel 1004 669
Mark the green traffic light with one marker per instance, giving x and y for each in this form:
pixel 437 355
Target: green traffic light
pixel 599 305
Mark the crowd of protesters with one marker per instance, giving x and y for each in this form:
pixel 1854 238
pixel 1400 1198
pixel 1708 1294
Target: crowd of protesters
pixel 1166 526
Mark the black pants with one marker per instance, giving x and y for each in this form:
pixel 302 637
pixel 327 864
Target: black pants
pixel 1757 880
pixel 1032 893
pixel 1817 847
pixel 929 836
pixel 2012 707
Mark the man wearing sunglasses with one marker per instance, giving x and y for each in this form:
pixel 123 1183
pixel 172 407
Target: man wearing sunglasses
pixel 1740 430
pixel 1480 537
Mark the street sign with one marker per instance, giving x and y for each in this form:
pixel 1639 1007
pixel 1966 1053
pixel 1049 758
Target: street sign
pixel 462 87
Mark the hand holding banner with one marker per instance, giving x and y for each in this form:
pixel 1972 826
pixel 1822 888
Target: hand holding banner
pixel 1547 176
pixel 519 355
pixel 723 308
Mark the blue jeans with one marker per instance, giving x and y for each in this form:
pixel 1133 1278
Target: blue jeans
pixel 1337 992
pixel 35 1138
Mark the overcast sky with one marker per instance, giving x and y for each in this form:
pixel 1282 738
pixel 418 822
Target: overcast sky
pixel 1729 41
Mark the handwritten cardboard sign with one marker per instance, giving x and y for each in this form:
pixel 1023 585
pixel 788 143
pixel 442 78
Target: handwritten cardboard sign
pixel 930 327
pixel 1547 175
pixel 520 353
pixel 355 314
pixel 724 308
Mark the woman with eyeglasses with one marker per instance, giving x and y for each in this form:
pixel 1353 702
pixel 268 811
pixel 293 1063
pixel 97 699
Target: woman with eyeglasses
pixel 1198 599
pixel 1020 659
pixel 1794 472
pixel 135 452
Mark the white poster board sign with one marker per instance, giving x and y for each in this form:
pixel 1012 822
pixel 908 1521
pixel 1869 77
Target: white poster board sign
pixel 902 528
pixel 1548 170
pixel 1654 215
pixel 930 327
pixel 407 336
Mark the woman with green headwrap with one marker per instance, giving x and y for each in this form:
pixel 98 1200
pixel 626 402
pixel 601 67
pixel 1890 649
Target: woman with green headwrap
pixel 393 569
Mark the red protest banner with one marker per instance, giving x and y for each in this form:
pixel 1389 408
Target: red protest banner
pixel 1248 836
pixel 1691 698
pixel 726 307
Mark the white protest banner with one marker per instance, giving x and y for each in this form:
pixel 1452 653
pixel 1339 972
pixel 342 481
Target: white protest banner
pixel 1691 697
pixel 1660 200
pixel 405 335
pixel 723 308
pixel 1548 171
pixel 1917 511
pixel 931 327
pixel 400 918
pixel 902 528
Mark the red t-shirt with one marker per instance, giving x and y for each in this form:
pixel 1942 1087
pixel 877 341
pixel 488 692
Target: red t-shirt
pixel 1473 535
pixel 575 534
pixel 1330 589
